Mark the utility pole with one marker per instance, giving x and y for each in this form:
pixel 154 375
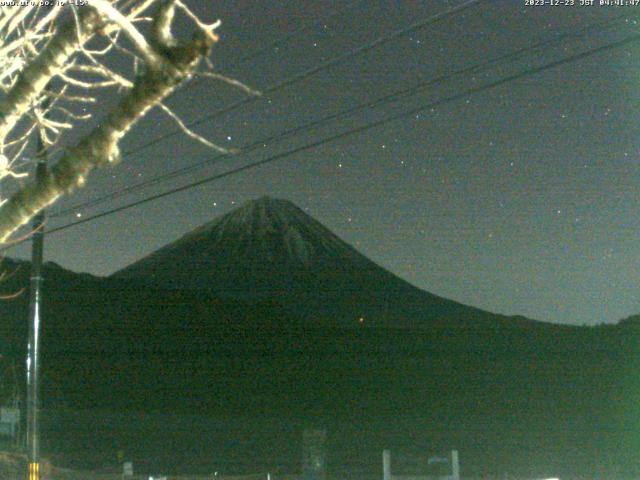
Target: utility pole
pixel 35 312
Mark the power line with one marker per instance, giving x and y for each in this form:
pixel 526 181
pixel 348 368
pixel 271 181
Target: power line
pixel 313 70
pixel 511 56
pixel 369 126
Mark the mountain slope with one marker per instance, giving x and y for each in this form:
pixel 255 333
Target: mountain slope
pixel 270 248
pixel 266 239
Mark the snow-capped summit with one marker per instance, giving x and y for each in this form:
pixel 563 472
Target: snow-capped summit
pixel 266 246
pixel 270 230
pixel 264 236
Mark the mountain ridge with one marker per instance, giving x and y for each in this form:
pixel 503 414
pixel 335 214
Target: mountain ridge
pixel 256 226
pixel 271 248
pixel 497 387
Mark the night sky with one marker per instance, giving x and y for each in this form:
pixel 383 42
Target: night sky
pixel 521 199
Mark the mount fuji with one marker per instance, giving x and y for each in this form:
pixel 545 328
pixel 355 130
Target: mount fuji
pixel 270 248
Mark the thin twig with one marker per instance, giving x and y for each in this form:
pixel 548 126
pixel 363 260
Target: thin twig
pixel 230 81
pixel 191 133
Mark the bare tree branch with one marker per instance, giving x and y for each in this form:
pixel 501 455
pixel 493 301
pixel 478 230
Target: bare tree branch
pixel 191 133
pixel 107 10
pixel 175 64
pixel 37 73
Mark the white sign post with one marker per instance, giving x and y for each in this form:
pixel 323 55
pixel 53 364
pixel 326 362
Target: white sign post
pixel 455 465
pixel 386 464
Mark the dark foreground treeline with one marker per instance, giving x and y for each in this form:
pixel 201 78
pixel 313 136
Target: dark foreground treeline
pixel 183 382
